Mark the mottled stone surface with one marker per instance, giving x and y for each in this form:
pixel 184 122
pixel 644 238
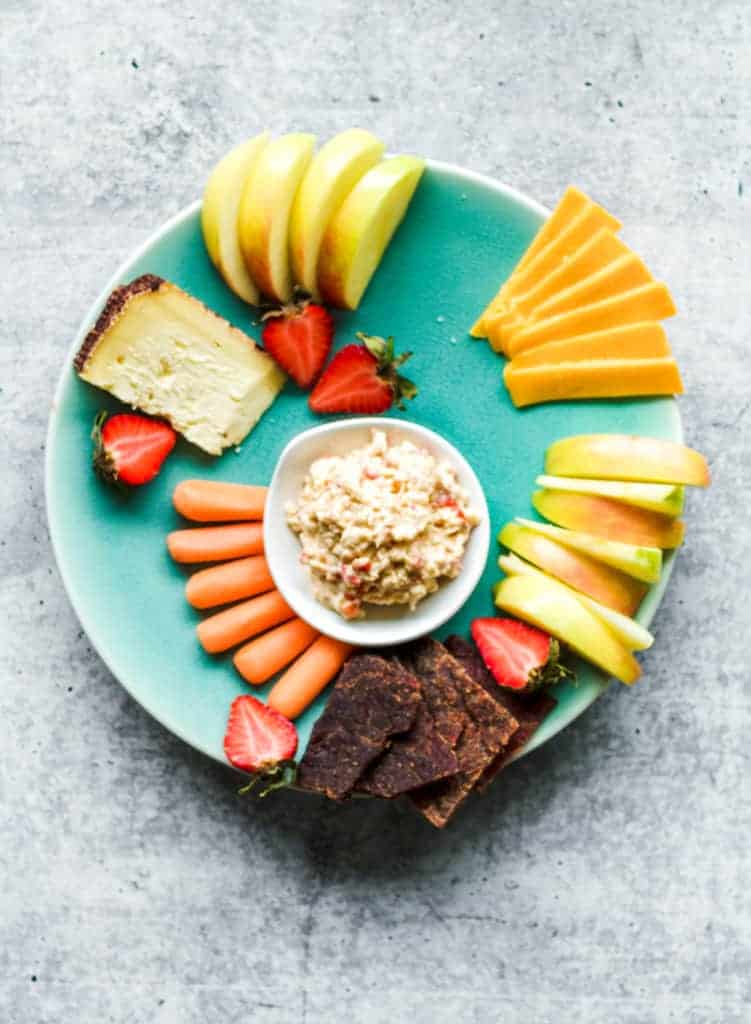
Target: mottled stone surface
pixel 603 879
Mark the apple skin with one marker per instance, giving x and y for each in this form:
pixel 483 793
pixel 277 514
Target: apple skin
pixel 333 173
pixel 643 563
pixel 265 210
pixel 360 231
pixel 667 499
pixel 608 586
pixel 609 519
pixel 219 214
pixel 627 457
pixel 630 633
pixel 546 605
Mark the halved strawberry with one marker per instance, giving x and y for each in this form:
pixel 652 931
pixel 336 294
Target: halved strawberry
pixel 520 657
pixel 261 741
pixel 298 336
pixel 129 448
pixel 363 379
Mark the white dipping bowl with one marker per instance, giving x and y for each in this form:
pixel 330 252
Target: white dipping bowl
pixel 382 626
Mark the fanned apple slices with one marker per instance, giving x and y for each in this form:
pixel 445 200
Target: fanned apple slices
pixel 276 216
pixel 579 316
pixel 583 578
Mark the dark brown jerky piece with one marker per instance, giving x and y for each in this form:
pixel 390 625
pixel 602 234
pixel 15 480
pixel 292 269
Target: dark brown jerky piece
pixel 529 712
pixel 486 726
pixel 418 757
pixel 372 700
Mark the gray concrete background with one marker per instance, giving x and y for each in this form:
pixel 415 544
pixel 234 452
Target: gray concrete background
pixel 605 878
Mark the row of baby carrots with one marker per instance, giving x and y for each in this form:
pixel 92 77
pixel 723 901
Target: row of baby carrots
pixel 273 637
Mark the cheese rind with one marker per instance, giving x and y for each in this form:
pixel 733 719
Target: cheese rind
pixel 160 350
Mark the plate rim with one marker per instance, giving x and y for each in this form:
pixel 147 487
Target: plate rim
pixel 85 325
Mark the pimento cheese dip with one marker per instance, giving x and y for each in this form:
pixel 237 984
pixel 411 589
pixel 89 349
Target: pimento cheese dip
pixel 384 524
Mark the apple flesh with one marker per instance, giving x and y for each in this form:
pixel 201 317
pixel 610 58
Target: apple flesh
pixel 610 519
pixel 332 175
pixel 544 604
pixel 627 457
pixel 265 212
pixel 219 214
pixel 630 633
pixel 608 586
pixel 667 499
pixel 643 563
pixel 363 226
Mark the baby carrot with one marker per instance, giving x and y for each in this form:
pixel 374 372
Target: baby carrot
pixel 304 680
pixel 230 581
pixel 212 501
pixel 262 658
pixel 242 621
pixel 216 543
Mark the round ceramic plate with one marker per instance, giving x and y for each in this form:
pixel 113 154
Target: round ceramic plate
pixel 462 235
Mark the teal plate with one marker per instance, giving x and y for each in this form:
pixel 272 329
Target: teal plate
pixel 461 237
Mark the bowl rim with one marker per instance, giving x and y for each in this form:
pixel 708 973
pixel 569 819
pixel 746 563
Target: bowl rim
pixel 372 632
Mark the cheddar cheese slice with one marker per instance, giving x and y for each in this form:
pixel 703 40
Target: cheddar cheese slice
pixel 622 275
pixel 601 378
pixel 633 341
pixel 571 202
pixel 651 301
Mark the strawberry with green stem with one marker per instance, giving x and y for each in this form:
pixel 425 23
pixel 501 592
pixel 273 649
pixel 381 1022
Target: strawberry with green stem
pixel 261 741
pixel 363 379
pixel 520 657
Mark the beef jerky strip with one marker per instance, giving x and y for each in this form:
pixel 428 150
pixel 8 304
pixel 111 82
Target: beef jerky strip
pixel 528 712
pixel 420 756
pixel 486 727
pixel 372 700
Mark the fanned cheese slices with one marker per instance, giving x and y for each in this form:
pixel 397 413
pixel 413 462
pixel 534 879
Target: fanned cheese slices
pixel 580 315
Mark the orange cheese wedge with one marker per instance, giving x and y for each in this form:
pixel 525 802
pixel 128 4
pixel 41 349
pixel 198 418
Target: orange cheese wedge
pixel 651 301
pixel 602 378
pixel 571 203
pixel 622 275
pixel 634 341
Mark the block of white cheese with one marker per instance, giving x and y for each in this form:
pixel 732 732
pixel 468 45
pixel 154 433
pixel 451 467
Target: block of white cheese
pixel 160 350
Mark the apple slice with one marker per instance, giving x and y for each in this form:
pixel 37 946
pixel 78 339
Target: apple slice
pixel 596 580
pixel 265 211
pixel 332 175
pixel 361 229
pixel 219 213
pixel 667 499
pixel 627 457
pixel 609 519
pixel 630 633
pixel 544 604
pixel 640 561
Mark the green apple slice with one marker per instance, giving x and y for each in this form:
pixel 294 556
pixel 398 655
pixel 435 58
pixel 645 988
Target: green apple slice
pixel 595 579
pixel 641 562
pixel 548 606
pixel 627 457
pixel 630 633
pixel 219 214
pixel 265 210
pixel 334 172
pixel 667 499
pixel 359 232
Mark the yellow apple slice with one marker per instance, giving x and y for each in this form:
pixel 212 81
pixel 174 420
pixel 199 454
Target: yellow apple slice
pixel 332 175
pixel 643 562
pixel 664 498
pixel 595 579
pixel 630 633
pixel 604 517
pixel 627 457
pixel 544 604
pixel 265 211
pixel 219 213
pixel 361 229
